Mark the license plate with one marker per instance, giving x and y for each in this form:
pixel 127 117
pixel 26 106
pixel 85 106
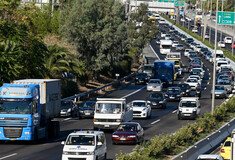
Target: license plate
pixel 154 103
pixel 187 114
pixel 122 139
pixel 87 113
pixel 217 95
pixel 106 125
pixel 172 97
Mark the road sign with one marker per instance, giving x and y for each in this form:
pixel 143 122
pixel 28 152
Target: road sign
pixel 227 18
pixel 179 3
pixel 168 1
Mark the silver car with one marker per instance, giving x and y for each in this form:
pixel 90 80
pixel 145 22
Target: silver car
pixel 179 47
pixel 227 85
pixel 220 91
pixel 154 85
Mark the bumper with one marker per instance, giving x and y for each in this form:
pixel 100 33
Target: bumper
pixel 173 98
pixel 106 126
pixel 88 115
pixel 220 96
pixel 157 105
pixel 124 140
pixel 7 133
pixel 82 157
pixel 140 81
pixel 140 115
pixel 187 115
pixel 65 114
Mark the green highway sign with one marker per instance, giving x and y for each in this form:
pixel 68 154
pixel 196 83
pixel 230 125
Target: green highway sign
pixel 179 3
pixel 227 18
pixel 169 1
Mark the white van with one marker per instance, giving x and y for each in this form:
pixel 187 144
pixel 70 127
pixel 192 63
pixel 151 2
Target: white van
pixel 165 46
pixel 89 145
pixel 219 54
pixel 228 40
pixel 110 112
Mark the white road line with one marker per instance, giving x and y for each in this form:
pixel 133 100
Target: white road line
pixel 134 92
pixel 210 78
pixel 66 119
pixel 208 83
pixel 205 88
pixel 174 111
pixel 155 121
pixel 8 156
pixel 154 52
pixel 209 74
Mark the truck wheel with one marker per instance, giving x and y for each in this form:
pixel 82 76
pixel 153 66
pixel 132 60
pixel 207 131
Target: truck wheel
pixel 35 139
pixel 105 156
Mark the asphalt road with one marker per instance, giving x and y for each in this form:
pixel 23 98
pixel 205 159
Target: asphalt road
pixel 162 121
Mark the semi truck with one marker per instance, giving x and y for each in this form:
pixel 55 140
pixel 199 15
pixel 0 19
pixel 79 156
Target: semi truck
pixel 28 109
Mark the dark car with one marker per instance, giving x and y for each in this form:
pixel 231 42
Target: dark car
pixel 189 40
pixel 86 109
pixel 69 108
pixel 128 132
pixel 141 78
pixel 185 89
pixel 156 100
pixel 173 93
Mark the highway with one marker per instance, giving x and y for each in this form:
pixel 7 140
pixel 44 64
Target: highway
pixel 162 121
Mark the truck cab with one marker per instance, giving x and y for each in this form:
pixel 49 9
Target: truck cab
pixel 110 112
pixel 189 107
pixel 89 145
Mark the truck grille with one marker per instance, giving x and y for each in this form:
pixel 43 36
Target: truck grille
pixel 8 121
pixel 76 158
pixel 137 112
pixel 106 120
pixel 12 132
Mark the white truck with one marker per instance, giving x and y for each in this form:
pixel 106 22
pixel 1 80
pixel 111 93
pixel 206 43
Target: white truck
pixel 165 46
pixel 110 112
pixel 189 107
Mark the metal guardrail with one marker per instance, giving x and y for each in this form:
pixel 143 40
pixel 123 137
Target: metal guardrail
pixel 77 97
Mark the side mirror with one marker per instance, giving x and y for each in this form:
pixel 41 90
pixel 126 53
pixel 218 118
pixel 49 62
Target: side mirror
pixel 99 144
pixel 62 142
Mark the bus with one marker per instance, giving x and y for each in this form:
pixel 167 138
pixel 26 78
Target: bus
pixel 165 71
pixel 165 46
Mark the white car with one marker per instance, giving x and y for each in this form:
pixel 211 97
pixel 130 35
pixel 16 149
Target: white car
pixel 201 71
pixel 193 83
pixel 186 52
pixel 228 39
pixel 197 77
pixel 141 109
pixel 182 20
pixel 207 35
pixel 209 156
pixel 154 85
pixel 167 37
pixel 175 43
pixel 85 145
pixel 221 44
pixel 194 30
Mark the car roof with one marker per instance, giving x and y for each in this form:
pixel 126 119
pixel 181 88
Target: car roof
pixel 209 156
pixel 86 132
pixel 139 101
pixel 134 123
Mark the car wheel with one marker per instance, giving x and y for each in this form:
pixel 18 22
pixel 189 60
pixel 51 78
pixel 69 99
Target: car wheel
pixel 179 117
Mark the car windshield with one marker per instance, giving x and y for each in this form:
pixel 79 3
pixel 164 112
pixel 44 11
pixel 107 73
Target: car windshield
pixel 184 86
pixel 15 107
pixel 172 90
pixel 155 81
pixel 141 75
pixel 126 127
pixel 88 140
pixel 108 108
pixel 179 45
pixel 156 96
pixel 148 67
pixel 138 104
pixel 219 87
pixel 223 77
pixel 188 104
pixel 192 80
pixel 219 64
pixel 88 104
pixel 224 83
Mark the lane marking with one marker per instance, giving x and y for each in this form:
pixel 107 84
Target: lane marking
pixel 66 119
pixel 154 52
pixel 134 92
pixel 204 88
pixel 209 78
pixel 174 111
pixel 155 121
pixel 209 74
pixel 14 154
pixel 208 83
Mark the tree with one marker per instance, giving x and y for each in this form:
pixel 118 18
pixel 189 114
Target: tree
pixel 98 31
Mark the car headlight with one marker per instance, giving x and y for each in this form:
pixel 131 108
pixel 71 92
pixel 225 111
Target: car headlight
pixel 180 109
pixel 160 101
pixel 65 152
pixel 69 110
pixel 115 135
pixel 90 153
pixel 148 101
pixel 118 120
pixel 81 111
pixel 194 110
pixel 166 95
pixel 131 136
pixel 144 109
pixel 187 90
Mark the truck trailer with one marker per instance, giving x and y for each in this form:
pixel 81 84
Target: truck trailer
pixel 28 109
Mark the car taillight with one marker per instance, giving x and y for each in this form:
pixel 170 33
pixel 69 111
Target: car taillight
pixel 222 151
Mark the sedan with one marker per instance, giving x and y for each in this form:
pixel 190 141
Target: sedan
pixel 173 93
pixel 141 109
pixel 175 43
pixel 86 109
pixel 220 91
pixel 193 83
pixel 227 84
pixel 128 132
pixel 185 89
pixel 195 30
pixel 154 85
pixel 69 108
pixel 141 78
pixel 156 100
pixel 186 52
pixel 221 44
pixel 179 47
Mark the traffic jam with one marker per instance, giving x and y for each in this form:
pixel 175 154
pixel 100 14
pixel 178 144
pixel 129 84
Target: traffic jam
pixel 178 75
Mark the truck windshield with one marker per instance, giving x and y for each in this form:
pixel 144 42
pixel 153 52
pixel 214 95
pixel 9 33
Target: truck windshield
pixel 188 104
pixel 15 107
pixel 164 71
pixel 81 140
pixel 166 46
pixel 219 55
pixel 108 108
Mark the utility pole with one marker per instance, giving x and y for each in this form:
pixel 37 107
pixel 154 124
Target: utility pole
pixel 210 20
pixel 62 4
pixel 233 34
pixel 221 33
pixel 214 59
pixel 52 7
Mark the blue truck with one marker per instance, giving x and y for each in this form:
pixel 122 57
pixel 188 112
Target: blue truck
pixel 165 71
pixel 28 109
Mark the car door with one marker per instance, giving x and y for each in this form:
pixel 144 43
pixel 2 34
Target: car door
pixel 148 108
pixel 140 132
pixel 198 108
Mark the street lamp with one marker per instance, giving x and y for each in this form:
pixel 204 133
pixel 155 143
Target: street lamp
pixel 214 60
